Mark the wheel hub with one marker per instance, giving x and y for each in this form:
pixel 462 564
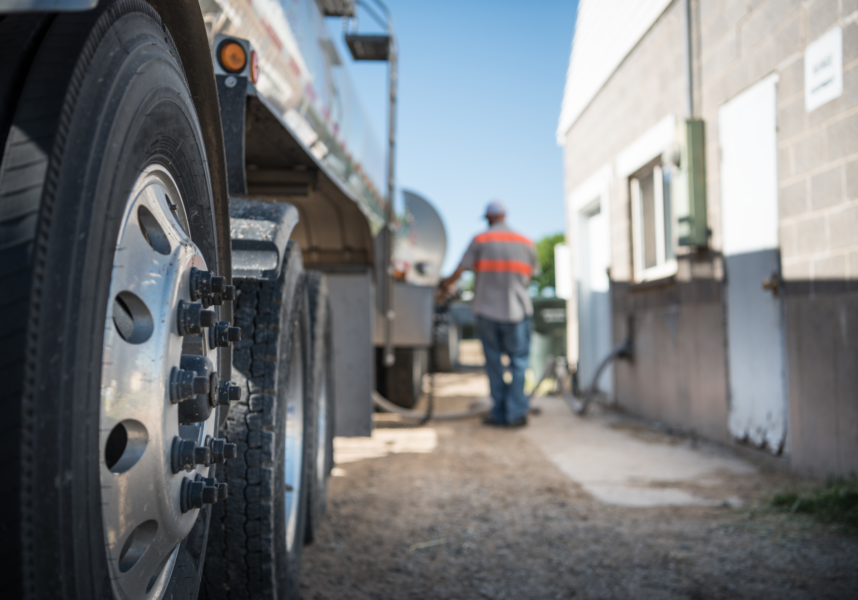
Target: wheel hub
pixel 154 459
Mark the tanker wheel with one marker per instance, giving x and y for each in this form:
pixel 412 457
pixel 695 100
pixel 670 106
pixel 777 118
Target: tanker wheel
pixel 322 390
pixel 105 208
pixel 256 542
pixel 402 383
pixel 445 344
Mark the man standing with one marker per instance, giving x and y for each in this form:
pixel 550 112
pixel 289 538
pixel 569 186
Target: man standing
pixel 503 263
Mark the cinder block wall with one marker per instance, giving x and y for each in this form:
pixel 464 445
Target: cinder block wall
pixel 739 43
pixel 678 376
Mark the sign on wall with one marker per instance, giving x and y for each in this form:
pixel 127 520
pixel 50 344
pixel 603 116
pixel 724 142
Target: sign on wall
pixel 823 70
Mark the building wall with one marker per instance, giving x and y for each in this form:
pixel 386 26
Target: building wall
pixel 679 375
pixel 741 42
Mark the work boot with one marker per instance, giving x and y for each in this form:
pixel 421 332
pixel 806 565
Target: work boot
pixel 492 422
pixel 518 422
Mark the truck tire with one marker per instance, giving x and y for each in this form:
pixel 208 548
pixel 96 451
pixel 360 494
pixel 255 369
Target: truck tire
pixel 258 533
pixel 445 348
pixel 322 386
pixel 104 130
pixel 402 383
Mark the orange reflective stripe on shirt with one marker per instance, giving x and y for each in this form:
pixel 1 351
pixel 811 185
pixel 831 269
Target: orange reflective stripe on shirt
pixel 502 236
pixel 487 265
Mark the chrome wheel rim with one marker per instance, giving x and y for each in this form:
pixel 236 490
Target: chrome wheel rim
pixel 294 446
pixel 140 495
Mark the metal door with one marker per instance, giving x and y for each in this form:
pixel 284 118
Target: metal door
pixel 594 312
pixel 747 130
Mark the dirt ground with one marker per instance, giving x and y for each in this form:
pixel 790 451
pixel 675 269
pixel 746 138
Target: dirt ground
pixel 456 510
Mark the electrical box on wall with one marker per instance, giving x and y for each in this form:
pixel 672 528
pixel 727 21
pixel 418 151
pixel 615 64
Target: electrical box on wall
pixel 688 184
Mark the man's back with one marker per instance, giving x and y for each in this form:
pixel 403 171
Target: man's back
pixel 503 262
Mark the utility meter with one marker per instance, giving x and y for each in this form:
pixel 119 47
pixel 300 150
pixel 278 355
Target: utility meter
pixel 688 184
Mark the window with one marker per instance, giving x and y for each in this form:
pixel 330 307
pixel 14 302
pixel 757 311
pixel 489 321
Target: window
pixel 652 234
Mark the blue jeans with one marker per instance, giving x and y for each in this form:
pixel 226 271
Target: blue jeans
pixel 512 339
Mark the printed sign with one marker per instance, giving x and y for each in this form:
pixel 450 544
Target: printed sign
pixel 823 70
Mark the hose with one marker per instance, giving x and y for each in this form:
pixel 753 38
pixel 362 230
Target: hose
pixel 555 364
pixel 624 350
pixel 476 409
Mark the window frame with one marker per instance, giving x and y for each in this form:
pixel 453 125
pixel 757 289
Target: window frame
pixel 665 242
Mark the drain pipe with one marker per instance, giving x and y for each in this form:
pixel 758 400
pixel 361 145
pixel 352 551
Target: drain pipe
pixel 688 59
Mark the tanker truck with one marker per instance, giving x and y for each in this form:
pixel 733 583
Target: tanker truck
pixel 197 266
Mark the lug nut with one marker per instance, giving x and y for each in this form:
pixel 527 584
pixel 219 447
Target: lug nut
pixel 211 491
pixel 186 384
pixel 191 318
pixel 228 293
pixel 218 285
pixel 224 393
pixel 201 283
pixel 221 450
pixel 192 494
pixel 186 454
pixel 201 385
pixel 216 299
pixel 222 491
pixel 182 455
pixel 222 334
pixel 230 451
pixel 202 455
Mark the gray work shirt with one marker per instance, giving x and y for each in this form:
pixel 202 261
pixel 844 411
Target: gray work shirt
pixel 503 262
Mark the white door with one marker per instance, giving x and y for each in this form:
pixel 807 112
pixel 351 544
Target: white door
pixel 747 131
pixel 594 300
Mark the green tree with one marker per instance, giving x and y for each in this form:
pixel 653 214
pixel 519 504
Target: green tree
pixel 545 253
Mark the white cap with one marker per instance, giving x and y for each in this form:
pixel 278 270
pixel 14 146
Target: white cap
pixel 495 208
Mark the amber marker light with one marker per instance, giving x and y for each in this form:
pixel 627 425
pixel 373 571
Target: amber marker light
pixel 232 56
pixel 254 67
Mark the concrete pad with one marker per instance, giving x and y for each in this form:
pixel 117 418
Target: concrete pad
pixel 619 468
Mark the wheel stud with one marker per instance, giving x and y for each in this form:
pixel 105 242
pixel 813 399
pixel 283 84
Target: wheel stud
pixel 222 334
pixel 191 318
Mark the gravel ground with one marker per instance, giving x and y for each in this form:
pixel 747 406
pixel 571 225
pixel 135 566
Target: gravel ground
pixel 483 514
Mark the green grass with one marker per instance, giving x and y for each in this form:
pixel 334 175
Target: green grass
pixel 835 502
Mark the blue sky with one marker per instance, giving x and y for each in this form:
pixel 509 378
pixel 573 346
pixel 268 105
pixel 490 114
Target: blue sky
pixel 480 86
